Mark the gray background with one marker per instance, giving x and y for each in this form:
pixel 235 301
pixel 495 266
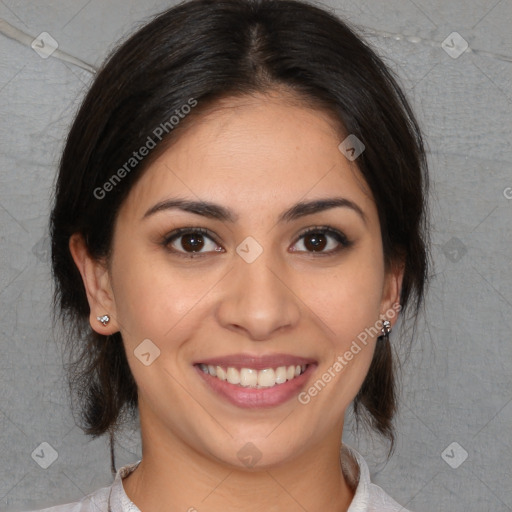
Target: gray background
pixel 457 381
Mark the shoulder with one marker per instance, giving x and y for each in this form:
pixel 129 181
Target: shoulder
pixel 368 497
pixel 380 501
pixel 97 501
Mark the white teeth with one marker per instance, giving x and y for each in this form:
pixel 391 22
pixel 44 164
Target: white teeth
pixel 281 375
pixel 233 375
pixel 267 378
pixel 249 377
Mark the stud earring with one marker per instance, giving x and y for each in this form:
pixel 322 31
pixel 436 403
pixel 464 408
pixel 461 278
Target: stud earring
pixel 105 319
pixel 386 328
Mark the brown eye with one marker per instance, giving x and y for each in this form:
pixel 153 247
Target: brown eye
pixel 322 240
pixel 315 241
pixel 192 242
pixel 188 241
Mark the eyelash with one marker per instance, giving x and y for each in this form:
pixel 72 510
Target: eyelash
pixel 343 241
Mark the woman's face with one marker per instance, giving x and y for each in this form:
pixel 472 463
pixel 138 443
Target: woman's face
pixel 250 294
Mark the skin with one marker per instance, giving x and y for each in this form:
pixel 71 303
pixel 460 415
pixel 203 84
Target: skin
pixel 258 156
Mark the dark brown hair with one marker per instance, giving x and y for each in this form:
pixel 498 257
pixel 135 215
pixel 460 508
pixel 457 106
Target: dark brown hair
pixel 205 50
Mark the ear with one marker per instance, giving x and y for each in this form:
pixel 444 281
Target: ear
pixel 392 290
pixel 97 284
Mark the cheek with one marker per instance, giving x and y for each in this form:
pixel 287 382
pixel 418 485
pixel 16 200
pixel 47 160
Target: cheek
pixel 164 301
pixel 347 300
pixel 155 301
pixel 349 306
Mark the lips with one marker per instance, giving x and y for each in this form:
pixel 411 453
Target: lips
pixel 256 381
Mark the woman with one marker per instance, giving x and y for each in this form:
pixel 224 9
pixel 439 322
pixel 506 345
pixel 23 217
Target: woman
pixel 239 218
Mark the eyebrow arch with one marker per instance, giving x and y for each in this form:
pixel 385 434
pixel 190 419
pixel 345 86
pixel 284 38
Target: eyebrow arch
pixel 310 207
pixel 218 212
pixel 204 208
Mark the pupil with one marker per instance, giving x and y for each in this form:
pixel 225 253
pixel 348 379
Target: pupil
pixel 192 242
pixel 315 242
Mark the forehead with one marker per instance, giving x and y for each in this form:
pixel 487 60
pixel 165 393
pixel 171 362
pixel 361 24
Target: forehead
pixel 253 152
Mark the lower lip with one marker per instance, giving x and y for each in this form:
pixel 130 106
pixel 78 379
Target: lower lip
pixel 254 398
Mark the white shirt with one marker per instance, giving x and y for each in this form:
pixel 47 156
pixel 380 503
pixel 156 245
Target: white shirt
pixel 368 497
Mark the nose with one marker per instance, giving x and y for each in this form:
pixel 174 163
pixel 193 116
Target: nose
pixel 258 299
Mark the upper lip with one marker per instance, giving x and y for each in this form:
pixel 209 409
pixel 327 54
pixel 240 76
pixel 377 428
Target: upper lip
pixel 256 362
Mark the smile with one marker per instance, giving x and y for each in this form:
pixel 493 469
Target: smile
pixel 251 381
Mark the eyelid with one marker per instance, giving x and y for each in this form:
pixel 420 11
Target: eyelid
pixel 188 230
pixel 326 229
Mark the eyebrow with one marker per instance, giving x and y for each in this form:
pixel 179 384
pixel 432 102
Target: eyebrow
pixel 218 212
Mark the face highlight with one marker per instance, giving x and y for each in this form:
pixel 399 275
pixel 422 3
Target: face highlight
pixel 250 244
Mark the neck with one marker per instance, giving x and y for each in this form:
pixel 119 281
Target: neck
pixel 173 475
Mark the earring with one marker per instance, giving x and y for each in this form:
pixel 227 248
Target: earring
pixel 386 329
pixel 105 319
